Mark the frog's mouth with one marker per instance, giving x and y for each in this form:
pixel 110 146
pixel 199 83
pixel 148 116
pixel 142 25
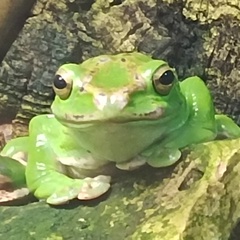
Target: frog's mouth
pixel 78 119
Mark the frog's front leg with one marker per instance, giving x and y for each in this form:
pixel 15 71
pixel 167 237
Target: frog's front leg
pixel 14 159
pixel 226 127
pixel 158 156
pixel 133 164
pixel 44 174
pixel 168 151
pixel 199 126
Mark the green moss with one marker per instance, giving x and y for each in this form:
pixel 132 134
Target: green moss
pixel 141 205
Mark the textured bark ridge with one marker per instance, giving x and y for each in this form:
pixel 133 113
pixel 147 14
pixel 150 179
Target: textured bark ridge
pixel 70 31
pixel 221 49
pixel 12 18
pixel 196 199
pixel 196 37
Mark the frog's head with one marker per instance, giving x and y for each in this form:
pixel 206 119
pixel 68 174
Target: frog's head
pixel 116 88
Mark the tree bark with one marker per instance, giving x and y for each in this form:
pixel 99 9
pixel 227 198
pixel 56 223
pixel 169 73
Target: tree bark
pixel 196 37
pixel 13 15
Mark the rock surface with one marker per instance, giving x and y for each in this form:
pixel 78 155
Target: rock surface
pixel 197 198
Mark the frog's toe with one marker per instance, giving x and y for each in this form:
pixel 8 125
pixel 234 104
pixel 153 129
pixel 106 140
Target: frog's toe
pixel 103 178
pixel 65 194
pixel 165 158
pixel 83 189
pixel 94 187
pixel 56 199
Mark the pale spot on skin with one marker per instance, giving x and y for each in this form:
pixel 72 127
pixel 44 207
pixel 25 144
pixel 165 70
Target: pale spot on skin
pixel 120 100
pixel 20 157
pixel 101 101
pixel 50 116
pixel 147 73
pixel 10 151
pixel 81 220
pixel 41 140
pixel 113 99
pixel 104 59
pixel 139 80
pixel 87 79
pixel 41 166
pixel 195 105
pixel 79 84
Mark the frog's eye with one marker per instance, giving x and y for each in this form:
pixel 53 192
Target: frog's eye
pixel 163 79
pixel 62 86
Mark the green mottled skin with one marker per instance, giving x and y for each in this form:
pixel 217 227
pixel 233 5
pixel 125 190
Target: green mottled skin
pixel 114 110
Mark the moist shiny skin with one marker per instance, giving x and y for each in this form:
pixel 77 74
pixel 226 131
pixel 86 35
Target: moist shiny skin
pixel 123 110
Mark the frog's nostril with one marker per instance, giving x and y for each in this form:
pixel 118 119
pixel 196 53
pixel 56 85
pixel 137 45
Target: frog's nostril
pixel 81 89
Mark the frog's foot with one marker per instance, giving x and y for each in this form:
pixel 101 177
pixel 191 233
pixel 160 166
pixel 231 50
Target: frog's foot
pixel 132 165
pixel 164 158
pixel 83 189
pixel 94 187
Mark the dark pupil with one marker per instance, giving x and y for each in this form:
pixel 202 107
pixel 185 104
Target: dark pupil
pixel 59 82
pixel 167 78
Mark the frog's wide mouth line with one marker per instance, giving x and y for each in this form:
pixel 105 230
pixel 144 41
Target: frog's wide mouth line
pixel 76 120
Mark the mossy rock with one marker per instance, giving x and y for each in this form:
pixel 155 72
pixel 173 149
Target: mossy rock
pixel 198 198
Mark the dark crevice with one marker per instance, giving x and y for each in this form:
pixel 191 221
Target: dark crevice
pixel 116 2
pixel 78 5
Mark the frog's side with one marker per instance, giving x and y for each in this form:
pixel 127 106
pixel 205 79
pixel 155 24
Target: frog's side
pixel 126 109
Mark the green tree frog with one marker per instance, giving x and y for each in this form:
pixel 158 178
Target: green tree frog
pixel 125 110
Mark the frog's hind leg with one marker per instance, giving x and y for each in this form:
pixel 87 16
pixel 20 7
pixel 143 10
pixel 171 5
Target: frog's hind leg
pixel 14 170
pixel 16 148
pixel 13 160
pixel 226 127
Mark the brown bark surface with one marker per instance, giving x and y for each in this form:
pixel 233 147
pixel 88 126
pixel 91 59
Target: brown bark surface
pixel 13 15
pixel 196 37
